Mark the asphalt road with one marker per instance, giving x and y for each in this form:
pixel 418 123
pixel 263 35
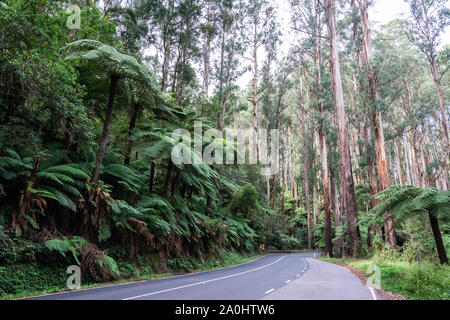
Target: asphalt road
pixel 275 276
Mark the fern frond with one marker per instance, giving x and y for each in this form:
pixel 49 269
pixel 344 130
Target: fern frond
pixel 62 198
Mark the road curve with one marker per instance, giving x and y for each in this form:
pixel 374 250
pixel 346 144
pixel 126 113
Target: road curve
pixel 275 276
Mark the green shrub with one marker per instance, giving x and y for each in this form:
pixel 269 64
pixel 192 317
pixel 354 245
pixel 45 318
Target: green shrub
pixel 427 282
pixel 30 278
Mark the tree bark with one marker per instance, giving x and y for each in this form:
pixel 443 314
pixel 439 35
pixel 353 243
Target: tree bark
pixel 376 117
pixel 152 177
pixel 344 148
pixel 255 94
pixel 166 47
pixel 167 180
pixel 398 163
pixel 305 174
pixel 207 49
pixel 438 239
pixel 131 126
pixel 106 128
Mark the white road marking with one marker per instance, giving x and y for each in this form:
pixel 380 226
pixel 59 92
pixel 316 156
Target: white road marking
pixel 269 291
pixel 202 282
pixel 373 293
pixel 287 281
pixel 137 281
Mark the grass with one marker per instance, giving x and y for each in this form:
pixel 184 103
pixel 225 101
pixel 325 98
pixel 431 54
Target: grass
pixel 427 282
pixel 23 280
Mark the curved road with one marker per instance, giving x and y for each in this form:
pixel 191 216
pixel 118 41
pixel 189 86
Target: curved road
pixel 275 276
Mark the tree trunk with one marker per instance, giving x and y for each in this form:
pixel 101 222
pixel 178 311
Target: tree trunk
pixel 175 181
pixel 398 163
pixel 291 166
pixel 106 128
pixel 131 126
pixel 326 192
pixel 376 117
pixel 167 180
pixel 438 239
pixel 306 178
pixel 207 49
pixel 383 174
pixel 344 148
pixel 152 177
pixel 446 145
pixel 166 47
pixel 255 93
pixel 315 205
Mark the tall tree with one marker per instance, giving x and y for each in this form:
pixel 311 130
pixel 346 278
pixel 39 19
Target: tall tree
pixel 262 22
pixel 116 66
pixel 376 116
pixel 348 194
pixel 430 18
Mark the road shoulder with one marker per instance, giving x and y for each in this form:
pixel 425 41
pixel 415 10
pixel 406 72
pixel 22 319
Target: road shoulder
pixel 381 294
pixel 324 281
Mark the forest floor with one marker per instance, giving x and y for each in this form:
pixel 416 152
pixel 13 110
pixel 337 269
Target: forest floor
pixel 402 280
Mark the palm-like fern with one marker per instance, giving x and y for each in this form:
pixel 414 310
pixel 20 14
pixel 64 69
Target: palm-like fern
pixel 47 178
pixel 406 201
pixel 116 66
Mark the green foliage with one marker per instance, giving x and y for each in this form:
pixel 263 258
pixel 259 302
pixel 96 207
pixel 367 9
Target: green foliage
pixel 245 203
pixel 405 201
pixel 79 246
pixel 31 278
pixel 64 245
pixel 427 282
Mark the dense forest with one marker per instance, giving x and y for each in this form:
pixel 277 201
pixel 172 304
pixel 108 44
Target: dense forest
pixel 91 93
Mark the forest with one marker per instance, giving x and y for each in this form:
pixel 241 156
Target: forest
pixel 91 93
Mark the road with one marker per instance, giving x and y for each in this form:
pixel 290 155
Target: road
pixel 275 276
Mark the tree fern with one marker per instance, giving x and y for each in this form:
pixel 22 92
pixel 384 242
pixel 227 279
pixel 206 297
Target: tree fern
pixel 65 245
pixel 405 201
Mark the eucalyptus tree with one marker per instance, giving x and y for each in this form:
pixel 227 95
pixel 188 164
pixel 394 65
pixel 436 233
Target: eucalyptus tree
pixel 209 32
pixel 307 19
pixel 429 20
pixel 375 113
pixel 277 90
pixel 107 62
pixel 187 38
pixel 262 22
pixel 348 195
pixel 133 24
pixel 231 41
pixel 164 25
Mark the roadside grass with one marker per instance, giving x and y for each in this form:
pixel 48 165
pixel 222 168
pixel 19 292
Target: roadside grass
pixel 427 282
pixel 31 279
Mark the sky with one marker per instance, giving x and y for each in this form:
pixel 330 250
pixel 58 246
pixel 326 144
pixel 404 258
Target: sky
pixel 380 13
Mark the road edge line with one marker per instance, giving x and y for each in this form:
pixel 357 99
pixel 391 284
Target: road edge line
pixel 202 282
pixel 136 281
